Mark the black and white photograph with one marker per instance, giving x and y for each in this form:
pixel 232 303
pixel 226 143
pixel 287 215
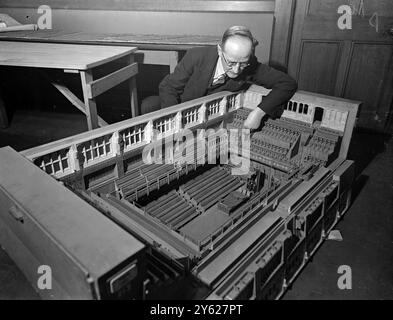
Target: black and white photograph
pixel 191 156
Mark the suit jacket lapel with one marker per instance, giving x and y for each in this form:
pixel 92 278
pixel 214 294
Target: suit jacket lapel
pixel 208 69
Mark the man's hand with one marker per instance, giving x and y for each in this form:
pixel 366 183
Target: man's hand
pixel 253 120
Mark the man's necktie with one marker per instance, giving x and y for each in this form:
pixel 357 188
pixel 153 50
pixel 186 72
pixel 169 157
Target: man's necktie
pixel 220 80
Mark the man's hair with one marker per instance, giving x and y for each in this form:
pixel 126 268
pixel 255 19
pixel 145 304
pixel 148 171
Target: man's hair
pixel 238 31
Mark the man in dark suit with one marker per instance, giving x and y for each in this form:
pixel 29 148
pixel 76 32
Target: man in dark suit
pixel 230 66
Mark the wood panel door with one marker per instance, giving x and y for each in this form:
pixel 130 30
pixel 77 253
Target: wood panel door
pixel 346 53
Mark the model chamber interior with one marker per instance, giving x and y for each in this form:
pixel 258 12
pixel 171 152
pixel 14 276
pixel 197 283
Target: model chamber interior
pixel 212 229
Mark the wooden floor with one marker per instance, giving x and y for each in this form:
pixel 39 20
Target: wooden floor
pixel 367 227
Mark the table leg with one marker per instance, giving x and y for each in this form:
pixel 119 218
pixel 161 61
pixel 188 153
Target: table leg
pixel 3 115
pixel 91 107
pixel 133 91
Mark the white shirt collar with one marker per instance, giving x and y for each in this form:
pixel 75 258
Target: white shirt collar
pixel 219 70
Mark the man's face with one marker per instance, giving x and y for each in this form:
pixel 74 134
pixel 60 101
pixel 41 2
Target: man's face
pixel 235 55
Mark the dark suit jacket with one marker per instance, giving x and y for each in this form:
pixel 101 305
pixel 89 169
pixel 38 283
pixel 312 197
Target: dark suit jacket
pixel 192 78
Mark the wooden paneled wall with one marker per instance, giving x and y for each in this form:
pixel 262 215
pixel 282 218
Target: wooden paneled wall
pixel 354 63
pixel 164 17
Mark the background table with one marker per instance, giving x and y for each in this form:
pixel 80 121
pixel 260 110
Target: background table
pixel 155 49
pixel 75 59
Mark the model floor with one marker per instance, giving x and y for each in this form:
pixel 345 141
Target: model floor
pixel 367 227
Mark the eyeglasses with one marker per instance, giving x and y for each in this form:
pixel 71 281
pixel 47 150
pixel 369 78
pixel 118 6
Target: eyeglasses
pixel 232 64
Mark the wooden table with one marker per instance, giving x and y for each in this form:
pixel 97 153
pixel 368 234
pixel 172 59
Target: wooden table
pixel 79 59
pixel 152 49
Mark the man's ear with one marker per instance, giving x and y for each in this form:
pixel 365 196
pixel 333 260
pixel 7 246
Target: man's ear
pixel 219 49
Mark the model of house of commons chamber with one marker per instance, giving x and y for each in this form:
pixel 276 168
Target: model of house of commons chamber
pixel 112 226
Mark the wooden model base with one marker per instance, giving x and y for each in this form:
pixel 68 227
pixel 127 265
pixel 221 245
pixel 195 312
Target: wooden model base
pixel 193 228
